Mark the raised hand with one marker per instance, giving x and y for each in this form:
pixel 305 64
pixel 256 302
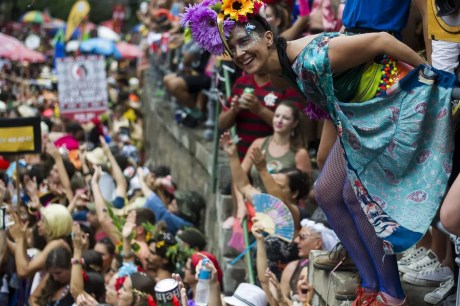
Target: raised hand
pixel 80 198
pixel 275 287
pixel 104 145
pixel 130 224
pixel 140 173
pixel 227 144
pixel 183 291
pixel 30 185
pixel 209 265
pixel 96 174
pixel 235 104
pixel 257 229
pixel 82 153
pixel 2 192
pixel 258 159
pixel 52 149
pixel 17 228
pixel 85 299
pixel 251 103
pixel 79 239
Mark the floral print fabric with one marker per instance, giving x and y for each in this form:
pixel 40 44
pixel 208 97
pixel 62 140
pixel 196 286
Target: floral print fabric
pixel 398 146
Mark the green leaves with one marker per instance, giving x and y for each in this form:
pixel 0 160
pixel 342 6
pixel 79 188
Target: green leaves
pixel 117 221
pixel 217 7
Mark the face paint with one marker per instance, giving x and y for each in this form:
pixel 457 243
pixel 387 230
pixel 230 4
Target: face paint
pixel 243 40
pixel 249 28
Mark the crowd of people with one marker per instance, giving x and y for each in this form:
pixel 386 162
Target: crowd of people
pixel 88 221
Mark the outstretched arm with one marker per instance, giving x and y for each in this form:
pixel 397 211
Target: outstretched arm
pixel 101 209
pixel 239 177
pixel 271 185
pixel 343 50
pixel 117 173
pixel 65 180
pixel 80 242
pixel 262 261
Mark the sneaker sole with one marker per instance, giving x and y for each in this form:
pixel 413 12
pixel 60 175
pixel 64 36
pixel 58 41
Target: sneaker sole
pixel 406 269
pixel 422 282
pixel 435 300
pixel 329 268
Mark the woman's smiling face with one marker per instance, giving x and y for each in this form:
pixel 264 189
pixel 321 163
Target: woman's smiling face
pixel 249 48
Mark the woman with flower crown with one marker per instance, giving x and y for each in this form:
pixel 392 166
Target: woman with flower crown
pixel 395 126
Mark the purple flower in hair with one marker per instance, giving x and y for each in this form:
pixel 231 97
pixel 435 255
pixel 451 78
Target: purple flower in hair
pixel 209 2
pixel 205 32
pixel 186 17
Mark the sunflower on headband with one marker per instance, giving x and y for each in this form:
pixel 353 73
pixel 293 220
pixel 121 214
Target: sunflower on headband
pixel 212 21
pixel 240 9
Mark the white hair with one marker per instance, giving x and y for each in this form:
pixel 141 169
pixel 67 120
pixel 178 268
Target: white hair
pixel 328 236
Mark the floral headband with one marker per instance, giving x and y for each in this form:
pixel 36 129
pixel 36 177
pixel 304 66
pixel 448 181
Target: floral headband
pixel 210 22
pixel 149 297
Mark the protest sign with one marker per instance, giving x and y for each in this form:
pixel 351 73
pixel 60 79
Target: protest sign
pixel 82 87
pixel 20 135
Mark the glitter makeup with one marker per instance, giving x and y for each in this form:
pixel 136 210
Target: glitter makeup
pixel 243 40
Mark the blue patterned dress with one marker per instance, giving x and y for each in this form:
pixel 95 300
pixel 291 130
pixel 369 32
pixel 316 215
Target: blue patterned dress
pixel 398 146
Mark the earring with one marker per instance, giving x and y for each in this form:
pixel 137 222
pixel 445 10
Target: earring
pixel 292 133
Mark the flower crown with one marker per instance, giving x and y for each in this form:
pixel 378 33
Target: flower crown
pixel 143 294
pixel 210 22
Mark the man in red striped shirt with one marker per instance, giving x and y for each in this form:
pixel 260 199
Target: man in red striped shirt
pixel 251 108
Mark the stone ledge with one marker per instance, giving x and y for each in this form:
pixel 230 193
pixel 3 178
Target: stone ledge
pixel 322 279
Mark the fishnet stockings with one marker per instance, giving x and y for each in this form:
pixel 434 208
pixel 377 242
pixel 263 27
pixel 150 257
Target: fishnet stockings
pixel 337 199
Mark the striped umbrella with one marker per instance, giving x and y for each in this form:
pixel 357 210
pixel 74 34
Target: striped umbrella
pixel 35 17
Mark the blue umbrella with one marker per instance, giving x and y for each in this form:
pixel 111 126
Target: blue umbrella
pixel 100 46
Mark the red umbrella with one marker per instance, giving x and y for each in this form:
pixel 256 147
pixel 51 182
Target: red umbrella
pixel 27 55
pixel 8 45
pixel 129 51
pixel 14 50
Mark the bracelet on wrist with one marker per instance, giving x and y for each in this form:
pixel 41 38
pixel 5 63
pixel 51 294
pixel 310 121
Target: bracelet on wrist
pixel 77 261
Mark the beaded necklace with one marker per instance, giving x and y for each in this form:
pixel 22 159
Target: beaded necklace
pixel 63 294
pixel 389 70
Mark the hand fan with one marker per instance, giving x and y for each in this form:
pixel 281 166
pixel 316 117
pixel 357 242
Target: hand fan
pixel 274 215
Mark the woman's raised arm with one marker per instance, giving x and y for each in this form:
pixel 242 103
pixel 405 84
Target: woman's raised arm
pixel 346 52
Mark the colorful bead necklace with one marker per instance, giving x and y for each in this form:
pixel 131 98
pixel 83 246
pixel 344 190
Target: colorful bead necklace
pixel 63 294
pixel 389 70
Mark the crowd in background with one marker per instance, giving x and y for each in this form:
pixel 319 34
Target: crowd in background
pixel 96 223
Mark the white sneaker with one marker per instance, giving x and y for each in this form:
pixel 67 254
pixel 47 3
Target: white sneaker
pixel 411 256
pixel 456 242
pixel 432 277
pixel 427 262
pixel 440 293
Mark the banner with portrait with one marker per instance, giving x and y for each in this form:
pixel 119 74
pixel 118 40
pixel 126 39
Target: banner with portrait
pixel 82 87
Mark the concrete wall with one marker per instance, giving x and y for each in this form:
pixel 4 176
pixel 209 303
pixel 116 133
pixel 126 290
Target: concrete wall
pixel 190 159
